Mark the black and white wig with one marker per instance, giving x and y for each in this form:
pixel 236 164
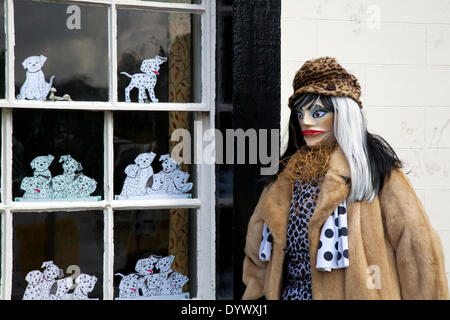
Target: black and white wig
pixel 370 158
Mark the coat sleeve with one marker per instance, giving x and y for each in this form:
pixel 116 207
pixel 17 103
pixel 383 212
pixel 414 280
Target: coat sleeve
pixel 254 270
pixel 418 250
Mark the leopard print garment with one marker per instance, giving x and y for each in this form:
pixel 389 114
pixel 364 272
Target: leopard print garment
pixel 297 268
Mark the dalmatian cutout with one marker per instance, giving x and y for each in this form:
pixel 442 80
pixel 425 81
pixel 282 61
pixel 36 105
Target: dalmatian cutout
pixel 178 182
pixel 146 266
pixel 85 285
pixel 70 186
pixel 158 184
pixel 35 188
pixel 83 186
pixel 145 171
pixel 177 281
pixel 154 279
pixel 170 181
pixel 41 164
pixel 151 285
pixel 33 289
pixel 51 284
pixel 131 181
pixel 35 86
pixel 142 183
pixel 130 285
pixel 145 81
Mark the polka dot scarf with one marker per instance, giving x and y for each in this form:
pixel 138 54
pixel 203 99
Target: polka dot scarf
pixel 333 244
pixel 265 248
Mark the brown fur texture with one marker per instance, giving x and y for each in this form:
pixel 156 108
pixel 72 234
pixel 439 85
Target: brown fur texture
pixel 325 76
pixel 309 163
pixel 392 234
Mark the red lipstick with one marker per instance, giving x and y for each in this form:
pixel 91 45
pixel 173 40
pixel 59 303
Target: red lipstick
pixel 311 132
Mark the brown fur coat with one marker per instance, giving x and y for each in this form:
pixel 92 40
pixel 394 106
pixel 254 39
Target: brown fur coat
pixel 392 233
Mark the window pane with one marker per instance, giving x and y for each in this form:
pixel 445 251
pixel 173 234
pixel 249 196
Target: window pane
pixel 40 133
pixel 150 132
pixel 140 234
pixel 178 1
pixel 143 35
pixel 2 50
pixel 63 33
pixel 73 241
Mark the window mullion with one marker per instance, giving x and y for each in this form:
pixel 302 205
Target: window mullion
pixel 108 254
pixel 113 53
pixel 10 42
pixel 7 256
pixel 108 234
pixel 6 179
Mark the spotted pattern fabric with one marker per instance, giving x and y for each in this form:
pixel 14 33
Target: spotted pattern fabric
pixel 333 244
pixel 297 268
pixel 265 249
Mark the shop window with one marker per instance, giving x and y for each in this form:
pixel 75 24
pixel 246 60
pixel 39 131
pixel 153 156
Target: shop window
pixel 61 139
pixel 148 137
pixel 143 234
pixel 87 46
pixel 72 241
pixel 62 33
pixel 155 52
pixel 178 1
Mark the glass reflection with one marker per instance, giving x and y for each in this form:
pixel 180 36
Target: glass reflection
pixel 138 234
pixel 67 239
pixel 73 37
pixel 178 1
pixel 149 132
pixel 144 34
pixel 58 133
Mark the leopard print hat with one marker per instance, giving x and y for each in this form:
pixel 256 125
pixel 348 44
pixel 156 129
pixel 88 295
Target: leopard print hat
pixel 325 76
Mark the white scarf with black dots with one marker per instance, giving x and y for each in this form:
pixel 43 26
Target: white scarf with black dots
pixel 265 249
pixel 333 244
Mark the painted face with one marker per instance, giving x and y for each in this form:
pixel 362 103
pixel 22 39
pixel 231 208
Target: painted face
pixel 317 124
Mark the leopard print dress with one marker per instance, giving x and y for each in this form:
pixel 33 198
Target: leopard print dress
pixel 297 268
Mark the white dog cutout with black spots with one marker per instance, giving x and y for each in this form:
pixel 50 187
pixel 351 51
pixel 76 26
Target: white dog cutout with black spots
pixel 35 87
pixel 145 81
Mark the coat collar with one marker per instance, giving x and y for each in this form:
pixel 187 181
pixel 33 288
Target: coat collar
pixel 334 189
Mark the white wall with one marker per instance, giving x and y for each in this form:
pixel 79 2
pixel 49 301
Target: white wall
pixel 400 52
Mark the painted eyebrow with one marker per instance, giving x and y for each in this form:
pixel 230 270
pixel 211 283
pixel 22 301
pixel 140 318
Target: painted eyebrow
pixel 311 106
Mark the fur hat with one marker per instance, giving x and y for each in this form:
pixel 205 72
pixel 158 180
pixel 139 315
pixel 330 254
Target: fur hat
pixel 325 76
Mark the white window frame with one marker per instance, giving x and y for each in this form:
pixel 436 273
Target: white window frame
pixel 203 283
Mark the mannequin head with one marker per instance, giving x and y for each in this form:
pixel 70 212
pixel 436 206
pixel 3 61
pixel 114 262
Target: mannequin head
pixel 329 119
pixel 316 122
